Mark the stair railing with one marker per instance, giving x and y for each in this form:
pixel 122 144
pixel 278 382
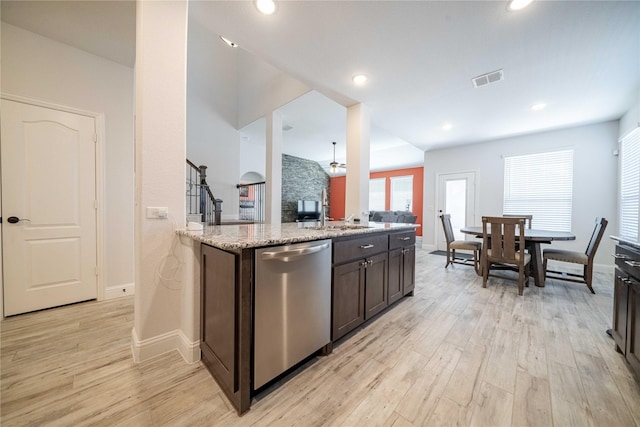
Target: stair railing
pixel 200 199
pixel 252 201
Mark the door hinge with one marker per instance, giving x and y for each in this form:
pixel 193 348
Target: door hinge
pixel 97 271
pixel 95 137
pixel 95 204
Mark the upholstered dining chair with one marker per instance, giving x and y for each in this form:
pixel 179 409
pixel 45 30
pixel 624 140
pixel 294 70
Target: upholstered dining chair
pixel 528 218
pixel 452 245
pixel 584 258
pixel 503 243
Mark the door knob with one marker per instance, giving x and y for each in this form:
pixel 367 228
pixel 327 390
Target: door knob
pixel 15 220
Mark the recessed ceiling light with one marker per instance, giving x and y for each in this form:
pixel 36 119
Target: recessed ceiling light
pixel 518 4
pixel 539 106
pixel 266 7
pixel 229 42
pixel 447 126
pixel 360 79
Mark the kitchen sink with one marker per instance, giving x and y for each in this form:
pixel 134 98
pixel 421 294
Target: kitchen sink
pixel 341 227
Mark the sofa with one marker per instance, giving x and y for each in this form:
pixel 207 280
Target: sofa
pixel 392 216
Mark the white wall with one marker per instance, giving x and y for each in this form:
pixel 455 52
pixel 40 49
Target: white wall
pixel 212 136
pixel 42 69
pixel 594 183
pixel 253 158
pixel 264 88
pixel 631 119
pixel 164 311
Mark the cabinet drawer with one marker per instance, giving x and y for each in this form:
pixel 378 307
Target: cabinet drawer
pixel 624 257
pixel 403 239
pixel 360 247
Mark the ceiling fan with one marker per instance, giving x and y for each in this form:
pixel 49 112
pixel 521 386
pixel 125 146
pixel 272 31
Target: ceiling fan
pixel 335 165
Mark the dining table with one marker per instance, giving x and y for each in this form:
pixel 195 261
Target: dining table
pixel 533 239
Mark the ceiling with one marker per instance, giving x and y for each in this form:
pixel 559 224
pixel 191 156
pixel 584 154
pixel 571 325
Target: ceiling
pixel 581 58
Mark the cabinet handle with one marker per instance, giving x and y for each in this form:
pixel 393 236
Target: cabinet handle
pixel 370 262
pixel 404 238
pixel 633 263
pixel 620 256
pixel 363 264
pixel 369 246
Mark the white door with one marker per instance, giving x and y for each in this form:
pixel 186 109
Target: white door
pixel 456 196
pixel 48 207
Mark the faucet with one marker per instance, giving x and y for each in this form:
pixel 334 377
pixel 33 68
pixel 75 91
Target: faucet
pixel 325 205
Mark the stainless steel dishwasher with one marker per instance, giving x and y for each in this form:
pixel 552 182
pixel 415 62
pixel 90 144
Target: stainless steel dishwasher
pixel 292 306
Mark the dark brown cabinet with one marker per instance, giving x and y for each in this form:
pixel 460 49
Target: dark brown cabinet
pixel 360 275
pixel 348 298
pixel 620 307
pixel 362 268
pixel 225 320
pixel 633 327
pixel 369 274
pixel 402 261
pixel 626 306
pixel 375 280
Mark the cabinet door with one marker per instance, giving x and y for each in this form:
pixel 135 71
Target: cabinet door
pixel 633 327
pixel 396 268
pixel 409 270
pixel 620 299
pixel 376 279
pixel 348 298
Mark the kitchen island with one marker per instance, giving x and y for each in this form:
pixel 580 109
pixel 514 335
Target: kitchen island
pixel 372 267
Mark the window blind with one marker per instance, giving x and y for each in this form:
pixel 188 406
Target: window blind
pixel 630 185
pixel 540 185
pixel 377 194
pixel 402 193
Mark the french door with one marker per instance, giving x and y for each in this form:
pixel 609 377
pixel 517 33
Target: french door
pixel 456 196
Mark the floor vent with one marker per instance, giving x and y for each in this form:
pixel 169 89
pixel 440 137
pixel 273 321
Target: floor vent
pixel 485 79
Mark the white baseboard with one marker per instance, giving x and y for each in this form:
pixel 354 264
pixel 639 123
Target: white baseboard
pixel 170 341
pixel 120 291
pixel 428 247
pixel 189 350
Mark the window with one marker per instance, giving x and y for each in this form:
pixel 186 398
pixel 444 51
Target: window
pixel 540 185
pixel 630 185
pixel 402 193
pixel 377 194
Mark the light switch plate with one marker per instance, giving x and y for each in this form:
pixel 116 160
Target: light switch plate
pixel 157 212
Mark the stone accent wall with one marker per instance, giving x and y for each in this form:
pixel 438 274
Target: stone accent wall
pixel 302 179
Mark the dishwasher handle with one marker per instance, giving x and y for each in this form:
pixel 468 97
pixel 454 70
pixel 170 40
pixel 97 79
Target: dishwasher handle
pixel 289 255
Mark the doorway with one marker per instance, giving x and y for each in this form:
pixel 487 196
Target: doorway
pixel 49 206
pixel 457 197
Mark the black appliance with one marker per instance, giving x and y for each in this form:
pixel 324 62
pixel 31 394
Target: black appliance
pixel 308 210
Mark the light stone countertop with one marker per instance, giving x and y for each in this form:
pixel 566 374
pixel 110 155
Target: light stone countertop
pixel 242 236
pixel 623 241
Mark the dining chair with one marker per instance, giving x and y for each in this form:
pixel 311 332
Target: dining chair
pixel 503 243
pixel 584 258
pixel 528 218
pixel 453 244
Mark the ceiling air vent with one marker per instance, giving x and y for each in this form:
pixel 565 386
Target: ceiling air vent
pixel 485 79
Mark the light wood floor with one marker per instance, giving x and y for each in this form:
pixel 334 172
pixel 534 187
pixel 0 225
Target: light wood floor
pixel 455 354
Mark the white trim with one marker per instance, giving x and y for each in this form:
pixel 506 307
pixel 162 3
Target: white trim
pixel 123 290
pixel 429 248
pixel 160 344
pixel 100 159
pixel 46 104
pixel 189 350
pixel 437 222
